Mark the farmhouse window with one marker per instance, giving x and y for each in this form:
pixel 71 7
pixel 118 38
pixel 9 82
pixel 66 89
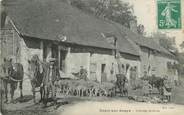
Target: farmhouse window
pixel 63 54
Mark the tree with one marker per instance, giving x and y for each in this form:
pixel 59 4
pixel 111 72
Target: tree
pixel 165 41
pixel 114 10
pixel 140 29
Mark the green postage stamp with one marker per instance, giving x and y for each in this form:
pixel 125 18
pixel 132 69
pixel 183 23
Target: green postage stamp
pixel 169 14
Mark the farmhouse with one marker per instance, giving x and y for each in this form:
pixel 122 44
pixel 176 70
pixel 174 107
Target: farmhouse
pixel 104 48
pixel 55 29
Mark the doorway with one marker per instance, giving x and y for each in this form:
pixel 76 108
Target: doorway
pixel 63 54
pixel 54 49
pixel 103 73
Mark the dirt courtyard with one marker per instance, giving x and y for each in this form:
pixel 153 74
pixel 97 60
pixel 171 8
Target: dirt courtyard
pixel 92 105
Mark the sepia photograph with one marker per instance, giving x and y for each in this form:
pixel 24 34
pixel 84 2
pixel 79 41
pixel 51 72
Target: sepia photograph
pixel 92 57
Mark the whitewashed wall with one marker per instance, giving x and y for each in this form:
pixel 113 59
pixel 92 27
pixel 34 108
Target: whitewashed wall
pixel 132 63
pixel 27 53
pixel 106 59
pixel 75 60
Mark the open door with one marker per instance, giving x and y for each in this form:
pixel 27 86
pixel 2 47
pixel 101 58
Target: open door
pixel 103 73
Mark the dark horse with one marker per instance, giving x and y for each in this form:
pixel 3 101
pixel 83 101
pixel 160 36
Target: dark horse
pixel 36 74
pixel 13 73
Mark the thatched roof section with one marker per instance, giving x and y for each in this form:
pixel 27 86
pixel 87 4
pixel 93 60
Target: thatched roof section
pixel 49 19
pixel 143 41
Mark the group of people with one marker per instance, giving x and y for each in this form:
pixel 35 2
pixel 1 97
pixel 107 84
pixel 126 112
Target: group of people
pixel 46 78
pixel 51 75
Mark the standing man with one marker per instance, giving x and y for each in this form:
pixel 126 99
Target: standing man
pixel 132 77
pixel 50 80
pixel 83 73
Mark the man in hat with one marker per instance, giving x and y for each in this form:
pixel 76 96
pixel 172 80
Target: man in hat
pixel 83 73
pixel 50 79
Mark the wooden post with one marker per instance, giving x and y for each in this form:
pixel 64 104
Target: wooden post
pixel 1 40
pixel 67 65
pixel 59 57
pixel 41 47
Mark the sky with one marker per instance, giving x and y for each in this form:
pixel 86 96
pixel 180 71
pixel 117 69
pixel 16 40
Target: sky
pixel 146 12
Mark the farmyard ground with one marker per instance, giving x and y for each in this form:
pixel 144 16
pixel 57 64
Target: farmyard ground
pixel 92 106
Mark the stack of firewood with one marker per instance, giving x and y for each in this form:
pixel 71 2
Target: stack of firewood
pixel 86 88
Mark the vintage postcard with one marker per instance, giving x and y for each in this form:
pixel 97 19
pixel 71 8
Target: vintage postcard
pixel 92 57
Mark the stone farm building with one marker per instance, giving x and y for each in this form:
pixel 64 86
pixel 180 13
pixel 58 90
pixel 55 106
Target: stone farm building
pixel 51 28
pixel 155 60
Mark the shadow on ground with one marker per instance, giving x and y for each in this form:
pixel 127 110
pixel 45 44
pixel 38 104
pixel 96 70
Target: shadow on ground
pixel 23 99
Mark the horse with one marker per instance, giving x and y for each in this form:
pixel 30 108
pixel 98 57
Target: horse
pixel 13 74
pixel 36 72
